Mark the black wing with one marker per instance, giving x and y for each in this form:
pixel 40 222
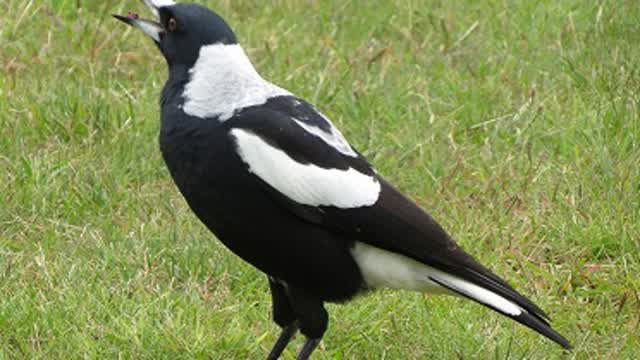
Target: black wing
pixel 393 223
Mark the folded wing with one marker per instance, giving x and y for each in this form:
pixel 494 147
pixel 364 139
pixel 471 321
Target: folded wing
pixel 308 168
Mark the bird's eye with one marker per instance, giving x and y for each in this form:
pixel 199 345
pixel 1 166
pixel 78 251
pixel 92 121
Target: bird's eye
pixel 172 25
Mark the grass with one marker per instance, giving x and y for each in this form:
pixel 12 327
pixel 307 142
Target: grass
pixel 516 124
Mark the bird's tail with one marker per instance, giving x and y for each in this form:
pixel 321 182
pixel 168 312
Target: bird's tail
pixel 503 299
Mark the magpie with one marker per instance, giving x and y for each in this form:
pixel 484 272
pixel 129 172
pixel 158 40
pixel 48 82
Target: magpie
pixel 279 185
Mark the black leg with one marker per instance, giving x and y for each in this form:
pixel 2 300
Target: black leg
pixel 307 348
pixel 284 316
pixel 283 340
pixel 295 309
pixel 312 317
pixel 283 313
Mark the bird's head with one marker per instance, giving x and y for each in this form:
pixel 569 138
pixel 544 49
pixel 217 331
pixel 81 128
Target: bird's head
pixel 180 30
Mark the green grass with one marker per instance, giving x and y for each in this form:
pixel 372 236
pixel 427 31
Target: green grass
pixel 516 124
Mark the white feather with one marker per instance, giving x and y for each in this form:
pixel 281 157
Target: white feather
pixel 222 81
pixel 306 184
pixel 333 139
pixel 382 268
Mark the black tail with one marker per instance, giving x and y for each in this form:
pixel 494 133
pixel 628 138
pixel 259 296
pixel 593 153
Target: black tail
pixel 526 315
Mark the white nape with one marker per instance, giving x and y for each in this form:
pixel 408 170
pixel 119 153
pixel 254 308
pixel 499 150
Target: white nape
pixel 382 268
pixel 222 81
pixel 306 184
pixel 333 139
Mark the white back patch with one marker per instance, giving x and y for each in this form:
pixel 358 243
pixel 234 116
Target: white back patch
pixel 223 80
pixel 306 184
pixel 382 268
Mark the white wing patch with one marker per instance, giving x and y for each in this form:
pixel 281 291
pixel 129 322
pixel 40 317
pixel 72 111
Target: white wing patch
pixel 306 184
pixel 334 139
pixel 223 81
pixel 382 268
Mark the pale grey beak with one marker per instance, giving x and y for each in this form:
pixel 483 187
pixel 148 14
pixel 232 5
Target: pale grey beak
pixel 151 28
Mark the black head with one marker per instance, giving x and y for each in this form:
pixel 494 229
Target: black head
pixel 182 29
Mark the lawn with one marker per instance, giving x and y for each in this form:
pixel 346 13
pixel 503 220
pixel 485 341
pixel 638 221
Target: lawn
pixel 515 124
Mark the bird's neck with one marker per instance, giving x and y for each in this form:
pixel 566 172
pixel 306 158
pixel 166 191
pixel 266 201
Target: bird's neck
pixel 222 81
pixel 174 86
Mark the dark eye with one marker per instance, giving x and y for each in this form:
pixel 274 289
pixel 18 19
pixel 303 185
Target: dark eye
pixel 172 25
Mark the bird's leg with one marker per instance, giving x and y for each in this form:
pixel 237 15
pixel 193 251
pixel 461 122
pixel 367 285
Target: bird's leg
pixel 284 316
pixel 283 340
pixel 312 318
pixel 307 348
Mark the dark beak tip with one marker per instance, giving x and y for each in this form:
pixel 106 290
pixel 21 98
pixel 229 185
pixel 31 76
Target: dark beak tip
pixel 125 19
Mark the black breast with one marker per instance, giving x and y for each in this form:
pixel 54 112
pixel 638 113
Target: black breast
pixel 232 203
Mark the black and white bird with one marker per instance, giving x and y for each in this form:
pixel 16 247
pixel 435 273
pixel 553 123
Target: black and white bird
pixel 280 186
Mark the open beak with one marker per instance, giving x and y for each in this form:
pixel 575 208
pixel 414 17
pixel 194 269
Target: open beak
pixel 152 28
